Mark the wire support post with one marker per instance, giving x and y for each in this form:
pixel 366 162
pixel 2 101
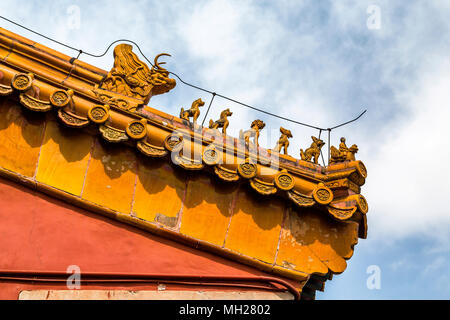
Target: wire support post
pixel 321 153
pixel 207 110
pixel 329 144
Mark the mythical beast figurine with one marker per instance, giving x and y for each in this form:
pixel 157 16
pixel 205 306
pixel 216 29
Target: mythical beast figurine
pixel 344 153
pixel 222 122
pixel 313 151
pixel 283 142
pixel 132 77
pixel 256 126
pixel 193 112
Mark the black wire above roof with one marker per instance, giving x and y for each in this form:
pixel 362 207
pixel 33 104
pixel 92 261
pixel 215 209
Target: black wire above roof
pixel 184 82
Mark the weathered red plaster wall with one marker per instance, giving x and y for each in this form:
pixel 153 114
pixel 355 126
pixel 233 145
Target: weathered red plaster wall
pixel 40 233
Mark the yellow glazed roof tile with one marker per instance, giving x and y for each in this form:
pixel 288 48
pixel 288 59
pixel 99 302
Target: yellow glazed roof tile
pixel 19 135
pixel 63 158
pixel 255 226
pixel 206 210
pixel 111 177
pixel 159 193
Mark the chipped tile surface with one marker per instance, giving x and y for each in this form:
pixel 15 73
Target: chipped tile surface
pixel 311 243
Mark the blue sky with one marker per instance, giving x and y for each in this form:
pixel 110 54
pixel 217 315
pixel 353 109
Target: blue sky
pixel 316 62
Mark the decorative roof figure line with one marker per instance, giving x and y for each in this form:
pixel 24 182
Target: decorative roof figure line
pixel 132 77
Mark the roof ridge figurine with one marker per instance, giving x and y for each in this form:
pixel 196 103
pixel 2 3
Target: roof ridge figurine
pixel 344 153
pixel 313 151
pixel 132 77
pixel 193 112
pixel 283 142
pixel 255 128
pixel 222 122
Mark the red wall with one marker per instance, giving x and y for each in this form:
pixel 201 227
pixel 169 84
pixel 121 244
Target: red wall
pixel 39 233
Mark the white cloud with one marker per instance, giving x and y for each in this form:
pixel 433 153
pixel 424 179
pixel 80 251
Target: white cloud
pixel 437 264
pixel 408 188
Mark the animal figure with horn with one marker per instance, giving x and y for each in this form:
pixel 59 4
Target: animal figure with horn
pixel 132 77
pixel 193 112
pixel 222 122
pixel 255 128
pixel 344 153
pixel 313 151
pixel 283 142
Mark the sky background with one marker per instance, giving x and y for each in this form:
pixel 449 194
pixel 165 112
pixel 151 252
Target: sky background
pixel 319 62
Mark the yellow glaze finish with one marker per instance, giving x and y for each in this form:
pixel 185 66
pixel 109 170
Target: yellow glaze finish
pixel 309 243
pixel 132 77
pixel 159 193
pixel 64 158
pixel 283 142
pixel 25 63
pixel 111 177
pixel 20 134
pixel 207 210
pixel 255 226
pixel 3 53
